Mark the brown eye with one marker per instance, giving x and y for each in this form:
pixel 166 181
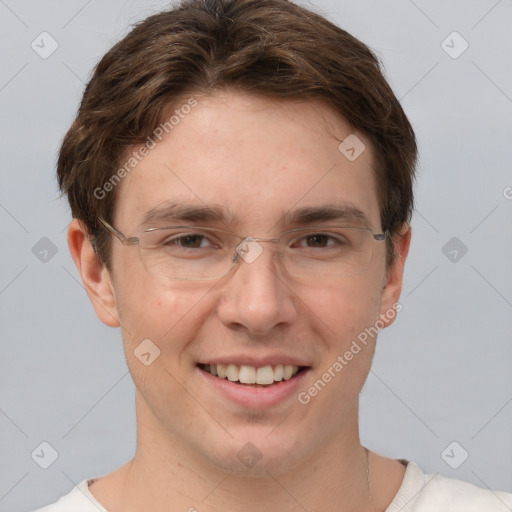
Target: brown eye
pixel 321 241
pixel 190 241
pixel 317 240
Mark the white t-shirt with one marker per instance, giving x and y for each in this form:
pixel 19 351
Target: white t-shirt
pixel 419 492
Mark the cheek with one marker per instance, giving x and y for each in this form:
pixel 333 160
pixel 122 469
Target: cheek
pixel 346 307
pixel 162 311
pixel 348 312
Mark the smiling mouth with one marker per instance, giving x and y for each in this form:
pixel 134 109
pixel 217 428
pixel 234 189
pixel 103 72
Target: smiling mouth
pixel 264 376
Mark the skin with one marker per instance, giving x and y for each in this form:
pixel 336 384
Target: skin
pixel 257 159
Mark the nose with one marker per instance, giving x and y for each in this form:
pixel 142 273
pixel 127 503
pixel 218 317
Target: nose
pixel 256 298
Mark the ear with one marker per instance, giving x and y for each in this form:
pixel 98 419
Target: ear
pixel 95 276
pixel 392 285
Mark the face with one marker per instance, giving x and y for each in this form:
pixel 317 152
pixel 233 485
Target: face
pixel 257 162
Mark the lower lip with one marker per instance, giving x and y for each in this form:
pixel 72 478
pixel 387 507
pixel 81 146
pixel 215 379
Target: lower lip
pixel 256 397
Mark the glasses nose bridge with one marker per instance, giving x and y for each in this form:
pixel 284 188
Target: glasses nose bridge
pixel 241 248
pixel 274 240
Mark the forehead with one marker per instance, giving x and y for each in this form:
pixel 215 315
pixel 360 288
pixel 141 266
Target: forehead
pixel 254 160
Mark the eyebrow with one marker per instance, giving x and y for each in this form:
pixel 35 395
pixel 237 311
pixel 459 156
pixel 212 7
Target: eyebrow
pixel 171 212
pixel 327 213
pixel 179 212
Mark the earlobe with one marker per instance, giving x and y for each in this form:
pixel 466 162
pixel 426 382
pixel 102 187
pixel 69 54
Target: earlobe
pixel 394 277
pixel 95 276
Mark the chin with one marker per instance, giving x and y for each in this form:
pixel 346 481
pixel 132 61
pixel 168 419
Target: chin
pixel 259 452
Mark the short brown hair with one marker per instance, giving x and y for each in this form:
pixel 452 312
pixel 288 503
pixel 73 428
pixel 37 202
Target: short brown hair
pixel 273 48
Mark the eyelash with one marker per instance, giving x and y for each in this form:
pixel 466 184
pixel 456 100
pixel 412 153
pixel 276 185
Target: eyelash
pixel 178 239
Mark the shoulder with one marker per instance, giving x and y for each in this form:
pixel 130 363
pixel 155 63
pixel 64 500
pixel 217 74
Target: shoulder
pixel 78 500
pixel 422 492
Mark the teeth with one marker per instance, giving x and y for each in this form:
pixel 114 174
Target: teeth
pixel 244 374
pixel 287 372
pixel 265 375
pixel 247 375
pixel 232 372
pixel 221 370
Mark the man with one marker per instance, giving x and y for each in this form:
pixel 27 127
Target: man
pixel 240 176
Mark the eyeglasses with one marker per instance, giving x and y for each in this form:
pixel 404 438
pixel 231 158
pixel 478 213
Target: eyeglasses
pixel 201 253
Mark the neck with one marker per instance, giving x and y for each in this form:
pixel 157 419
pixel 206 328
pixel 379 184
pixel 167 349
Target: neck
pixel 163 471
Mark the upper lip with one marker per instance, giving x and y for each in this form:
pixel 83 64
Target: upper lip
pixel 257 362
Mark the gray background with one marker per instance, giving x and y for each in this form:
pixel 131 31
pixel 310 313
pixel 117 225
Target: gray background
pixel 442 372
